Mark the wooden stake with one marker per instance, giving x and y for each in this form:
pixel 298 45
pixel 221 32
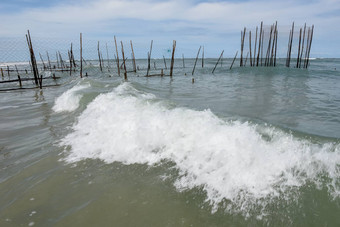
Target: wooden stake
pixel 203 57
pixel 164 62
pixel 20 84
pixel 258 53
pixel 118 68
pixel 107 57
pixel 133 58
pixel 233 60
pixel 81 55
pixel 310 44
pixel 250 57
pixel 172 57
pixel 193 70
pixel 217 61
pixel 298 55
pixel 183 60
pixel 125 73
pixel 100 62
pixel 255 47
pixel 303 42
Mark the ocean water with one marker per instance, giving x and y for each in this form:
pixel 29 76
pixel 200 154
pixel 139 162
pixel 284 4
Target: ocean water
pixel 242 147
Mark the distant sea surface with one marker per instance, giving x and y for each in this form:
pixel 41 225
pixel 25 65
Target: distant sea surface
pixel 251 146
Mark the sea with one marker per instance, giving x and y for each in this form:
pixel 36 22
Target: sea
pixel 247 146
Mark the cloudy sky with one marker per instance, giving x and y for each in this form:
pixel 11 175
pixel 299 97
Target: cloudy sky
pixel 216 24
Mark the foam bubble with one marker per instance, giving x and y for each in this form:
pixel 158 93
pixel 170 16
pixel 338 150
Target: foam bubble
pixel 69 100
pixel 242 163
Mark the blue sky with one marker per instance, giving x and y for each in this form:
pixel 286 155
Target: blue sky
pixel 214 24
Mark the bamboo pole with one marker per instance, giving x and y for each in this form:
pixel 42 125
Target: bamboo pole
pixel 172 57
pixel 8 72
pixel 250 57
pixel 217 61
pixel 81 55
pixel 118 68
pixel 268 48
pixel 291 44
pixel 125 73
pixel 198 52
pixel 233 60
pixel 70 59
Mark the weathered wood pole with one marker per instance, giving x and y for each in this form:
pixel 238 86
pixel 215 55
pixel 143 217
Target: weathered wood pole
pixel 183 60
pixel 100 61
pixel 203 57
pixel 303 42
pixel 118 68
pixel 33 61
pixel 108 58
pixel 42 61
pixel 164 62
pixel 198 52
pixel 217 61
pixel 254 59
pixel 258 52
pixel 242 45
pixel 310 44
pixel 125 72
pixel 234 60
pixel 133 58
pixel 250 56
pixel 298 55
pixel 172 57
pixel 81 55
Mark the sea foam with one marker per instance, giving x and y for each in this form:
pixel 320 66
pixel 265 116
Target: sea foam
pixel 69 100
pixel 239 163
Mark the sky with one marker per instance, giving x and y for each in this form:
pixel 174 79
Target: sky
pixel 214 24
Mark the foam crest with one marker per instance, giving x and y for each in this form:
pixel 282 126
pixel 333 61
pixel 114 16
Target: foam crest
pixel 69 100
pixel 232 161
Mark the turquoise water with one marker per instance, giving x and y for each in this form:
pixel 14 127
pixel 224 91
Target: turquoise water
pixel 241 147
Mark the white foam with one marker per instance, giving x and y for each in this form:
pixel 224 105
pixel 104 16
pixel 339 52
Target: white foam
pixel 69 100
pixel 233 161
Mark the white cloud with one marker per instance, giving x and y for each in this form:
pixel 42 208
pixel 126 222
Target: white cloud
pixel 169 17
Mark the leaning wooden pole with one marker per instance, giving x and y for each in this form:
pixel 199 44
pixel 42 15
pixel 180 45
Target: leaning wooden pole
pixel 250 56
pixel 33 62
pixel 118 66
pixel 303 42
pixel 298 55
pixel 203 57
pixel 133 58
pixel 255 47
pixel 310 44
pixel 233 60
pixel 172 58
pixel 100 61
pixel 81 55
pixel 198 52
pixel 164 62
pixel 258 52
pixel 125 72
pixel 218 61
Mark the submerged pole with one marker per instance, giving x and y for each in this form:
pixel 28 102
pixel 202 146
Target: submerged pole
pixel 125 73
pixel 81 56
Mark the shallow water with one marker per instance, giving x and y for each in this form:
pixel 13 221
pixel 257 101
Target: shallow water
pixel 247 146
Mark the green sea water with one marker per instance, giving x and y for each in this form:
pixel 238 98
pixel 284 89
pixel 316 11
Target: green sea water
pixel 251 146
